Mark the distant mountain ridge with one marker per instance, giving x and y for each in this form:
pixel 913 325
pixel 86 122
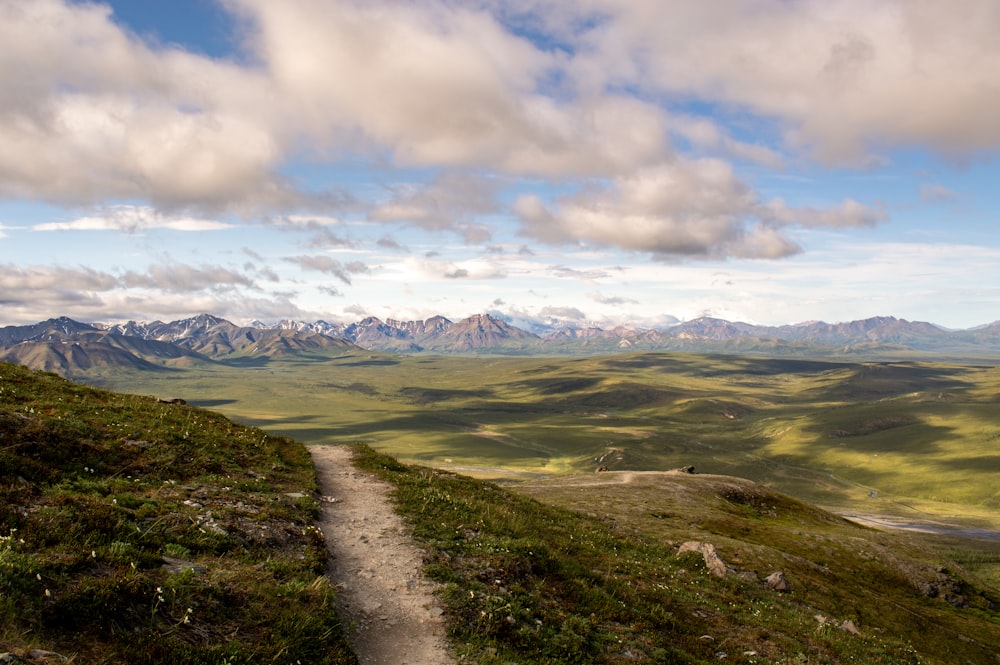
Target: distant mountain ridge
pixel 66 346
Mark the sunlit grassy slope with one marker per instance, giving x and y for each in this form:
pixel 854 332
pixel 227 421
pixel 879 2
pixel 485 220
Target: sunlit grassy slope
pixel 886 437
pixel 591 574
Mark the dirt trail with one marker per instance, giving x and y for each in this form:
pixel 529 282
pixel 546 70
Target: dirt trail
pixel 387 605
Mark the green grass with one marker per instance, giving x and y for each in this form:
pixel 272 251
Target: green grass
pixel 549 567
pixel 98 491
pixel 532 581
pixel 874 437
pixel 913 440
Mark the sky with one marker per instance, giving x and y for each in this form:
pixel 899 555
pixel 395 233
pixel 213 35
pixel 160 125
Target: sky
pixel 556 162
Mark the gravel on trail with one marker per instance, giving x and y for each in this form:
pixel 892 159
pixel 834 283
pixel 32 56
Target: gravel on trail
pixel 388 607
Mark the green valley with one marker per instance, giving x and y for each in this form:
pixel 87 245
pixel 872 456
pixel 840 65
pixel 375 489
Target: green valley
pixel 918 439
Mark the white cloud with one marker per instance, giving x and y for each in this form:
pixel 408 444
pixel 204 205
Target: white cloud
pixel 842 78
pixel 22 284
pixel 439 84
pixel 325 264
pixel 683 209
pixel 932 193
pixel 562 313
pixel 133 219
pixel 413 269
pixel 450 201
pixel 91 114
pixel 180 278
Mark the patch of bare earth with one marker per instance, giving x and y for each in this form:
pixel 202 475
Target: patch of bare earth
pixel 388 607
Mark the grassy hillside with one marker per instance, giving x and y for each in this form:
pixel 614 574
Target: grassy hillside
pixel 134 531
pixel 542 582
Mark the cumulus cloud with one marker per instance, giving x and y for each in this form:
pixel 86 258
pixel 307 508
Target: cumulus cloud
pixel 92 113
pixel 840 78
pixel 441 84
pixel 687 208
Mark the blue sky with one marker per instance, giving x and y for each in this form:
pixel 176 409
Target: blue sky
pixel 590 162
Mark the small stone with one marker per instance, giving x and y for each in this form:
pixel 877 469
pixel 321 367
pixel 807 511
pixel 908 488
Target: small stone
pixel 849 626
pixel 706 638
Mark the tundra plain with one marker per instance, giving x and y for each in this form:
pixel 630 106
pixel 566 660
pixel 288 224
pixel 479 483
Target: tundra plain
pixel 906 439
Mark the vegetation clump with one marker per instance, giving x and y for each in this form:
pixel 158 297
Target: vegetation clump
pixel 138 531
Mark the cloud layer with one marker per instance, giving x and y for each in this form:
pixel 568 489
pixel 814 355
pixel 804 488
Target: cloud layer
pixel 404 144
pixel 91 113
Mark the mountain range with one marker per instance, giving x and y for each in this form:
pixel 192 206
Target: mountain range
pixel 67 346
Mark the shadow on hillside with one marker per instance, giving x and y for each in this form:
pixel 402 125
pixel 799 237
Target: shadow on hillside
pixel 372 362
pixel 880 380
pixel 560 385
pixel 245 362
pixel 433 395
pixel 721 365
pixel 210 403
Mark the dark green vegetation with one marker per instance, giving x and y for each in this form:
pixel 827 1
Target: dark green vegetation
pixel 134 531
pixel 532 582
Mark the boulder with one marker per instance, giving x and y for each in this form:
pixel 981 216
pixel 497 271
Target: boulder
pixel 778 582
pixel 713 561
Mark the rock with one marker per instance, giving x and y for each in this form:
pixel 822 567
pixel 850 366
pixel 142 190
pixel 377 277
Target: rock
pixel 175 566
pixel 43 655
pixel 713 561
pixel 777 582
pixel 686 469
pixel 601 469
pixel 849 626
pixel 8 658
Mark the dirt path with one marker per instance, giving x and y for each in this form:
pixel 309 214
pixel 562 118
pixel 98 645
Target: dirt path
pixel 387 605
